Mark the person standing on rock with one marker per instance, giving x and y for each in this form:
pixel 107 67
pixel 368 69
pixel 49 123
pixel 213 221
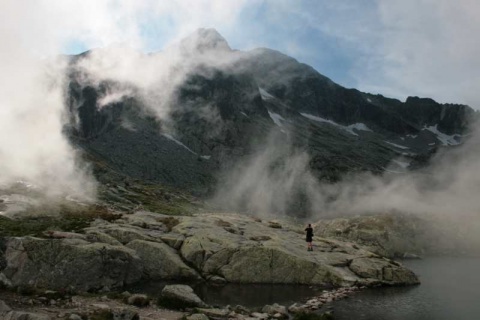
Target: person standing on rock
pixel 309 231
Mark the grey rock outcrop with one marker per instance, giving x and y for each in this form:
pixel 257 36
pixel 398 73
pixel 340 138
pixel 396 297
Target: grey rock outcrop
pixel 67 264
pixel 386 235
pixel 216 247
pixel 213 250
pixel 404 236
pixel 161 262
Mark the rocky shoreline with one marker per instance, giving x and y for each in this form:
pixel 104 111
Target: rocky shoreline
pixel 182 303
pixel 217 248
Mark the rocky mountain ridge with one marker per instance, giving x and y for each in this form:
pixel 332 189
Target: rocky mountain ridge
pixel 220 113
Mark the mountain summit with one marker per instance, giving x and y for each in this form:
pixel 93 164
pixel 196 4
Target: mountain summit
pixel 203 40
pixel 220 116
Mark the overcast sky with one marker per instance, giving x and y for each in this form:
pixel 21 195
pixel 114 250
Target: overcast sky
pixel 398 48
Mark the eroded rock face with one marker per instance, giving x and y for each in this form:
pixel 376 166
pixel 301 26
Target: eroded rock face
pixel 69 264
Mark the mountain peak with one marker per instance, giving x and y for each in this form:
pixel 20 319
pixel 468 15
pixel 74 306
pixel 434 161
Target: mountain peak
pixel 205 39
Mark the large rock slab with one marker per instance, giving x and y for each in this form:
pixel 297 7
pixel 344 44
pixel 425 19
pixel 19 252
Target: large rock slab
pixel 65 264
pixel 387 235
pixel 161 262
pixel 227 246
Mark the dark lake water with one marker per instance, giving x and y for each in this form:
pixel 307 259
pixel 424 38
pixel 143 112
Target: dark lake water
pixel 248 295
pixel 450 290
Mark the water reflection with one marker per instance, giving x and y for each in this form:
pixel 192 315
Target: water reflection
pixel 450 289
pixel 255 295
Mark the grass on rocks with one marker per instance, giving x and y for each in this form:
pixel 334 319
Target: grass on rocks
pixel 67 219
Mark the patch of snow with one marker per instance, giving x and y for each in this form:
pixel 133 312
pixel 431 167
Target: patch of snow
pixel 432 144
pixel 177 142
pixel 356 126
pixel 402 138
pixel 113 97
pixel 26 184
pixel 369 100
pixel 402 164
pixel 276 118
pixel 244 114
pixel 265 95
pixel 413 136
pixel 445 139
pixel 127 124
pixel 206 157
pixel 392 171
pixel 76 200
pixel 315 118
pixel 359 126
pixel 397 145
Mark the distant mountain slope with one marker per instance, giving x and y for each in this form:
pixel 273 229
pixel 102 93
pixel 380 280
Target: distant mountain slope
pixel 230 105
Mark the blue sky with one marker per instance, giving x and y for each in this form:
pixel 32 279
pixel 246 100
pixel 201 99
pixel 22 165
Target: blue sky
pixel 264 24
pixel 397 48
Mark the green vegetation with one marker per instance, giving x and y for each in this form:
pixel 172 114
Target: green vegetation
pixel 150 197
pixel 68 219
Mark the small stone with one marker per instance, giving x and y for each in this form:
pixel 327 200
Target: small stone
pixel 42 300
pixel 241 309
pixel 138 300
pixel 101 306
pixel 74 316
pixel 259 315
pixel 275 225
pixel 180 296
pixel 217 280
pixel 274 309
pixel 215 313
pixel 125 314
pixel 4 282
pixel 197 316
pixel 4 307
